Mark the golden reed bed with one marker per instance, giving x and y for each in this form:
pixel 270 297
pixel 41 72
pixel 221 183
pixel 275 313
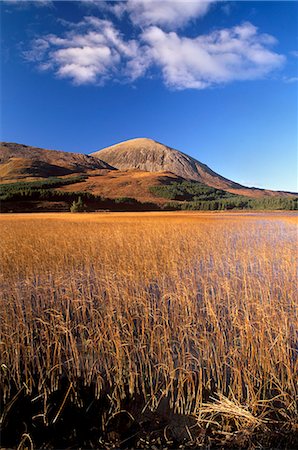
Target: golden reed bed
pixel 195 310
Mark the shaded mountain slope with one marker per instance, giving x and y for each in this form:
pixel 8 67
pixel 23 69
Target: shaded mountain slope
pixel 19 161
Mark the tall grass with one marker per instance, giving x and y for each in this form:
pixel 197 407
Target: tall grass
pixel 198 310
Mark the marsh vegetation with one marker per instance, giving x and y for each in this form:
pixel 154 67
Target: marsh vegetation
pixel 133 330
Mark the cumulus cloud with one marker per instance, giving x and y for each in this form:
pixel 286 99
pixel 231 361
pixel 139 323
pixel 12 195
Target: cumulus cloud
pixel 94 51
pixel 238 53
pixel 169 13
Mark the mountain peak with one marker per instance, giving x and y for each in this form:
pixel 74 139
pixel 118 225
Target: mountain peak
pixel 142 140
pixel 137 157
pixel 152 156
pixel 139 142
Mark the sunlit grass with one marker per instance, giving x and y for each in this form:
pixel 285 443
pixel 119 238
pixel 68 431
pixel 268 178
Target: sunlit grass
pixel 197 308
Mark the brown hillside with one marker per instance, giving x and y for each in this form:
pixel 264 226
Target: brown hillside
pixel 142 163
pixel 126 183
pixel 149 155
pixel 21 161
pixel 152 156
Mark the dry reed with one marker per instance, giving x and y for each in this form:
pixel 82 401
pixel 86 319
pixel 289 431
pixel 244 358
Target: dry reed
pixel 197 309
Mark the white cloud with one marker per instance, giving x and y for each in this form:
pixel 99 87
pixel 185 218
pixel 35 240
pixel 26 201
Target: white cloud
pixel 94 51
pixel 169 13
pixel 238 53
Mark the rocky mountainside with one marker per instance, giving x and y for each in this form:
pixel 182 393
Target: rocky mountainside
pixel 19 161
pixel 129 168
pixel 149 155
pixel 152 156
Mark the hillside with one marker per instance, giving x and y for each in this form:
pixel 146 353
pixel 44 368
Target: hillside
pixel 149 155
pixel 152 156
pixel 19 162
pixel 140 174
pixel 125 183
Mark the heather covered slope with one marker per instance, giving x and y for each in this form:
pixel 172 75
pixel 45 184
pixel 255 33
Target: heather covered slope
pixel 149 155
pixel 19 161
pixel 137 184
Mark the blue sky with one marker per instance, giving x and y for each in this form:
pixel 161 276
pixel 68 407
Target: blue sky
pixel 217 80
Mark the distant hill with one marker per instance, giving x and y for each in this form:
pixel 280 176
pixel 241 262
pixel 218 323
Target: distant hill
pixel 148 155
pixel 139 173
pixel 18 162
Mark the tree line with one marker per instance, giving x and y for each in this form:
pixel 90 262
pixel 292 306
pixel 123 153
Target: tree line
pixel 185 196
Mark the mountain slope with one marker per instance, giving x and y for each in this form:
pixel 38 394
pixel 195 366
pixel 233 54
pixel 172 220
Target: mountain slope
pixel 152 156
pixel 149 155
pixel 125 183
pixel 19 161
pixel 129 169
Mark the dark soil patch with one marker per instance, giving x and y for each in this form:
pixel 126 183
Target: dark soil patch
pixel 76 419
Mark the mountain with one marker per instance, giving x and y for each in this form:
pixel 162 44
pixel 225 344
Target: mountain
pixel 134 168
pixel 19 161
pixel 149 155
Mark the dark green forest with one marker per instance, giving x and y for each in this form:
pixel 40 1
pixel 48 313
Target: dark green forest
pixel 189 191
pixel 182 196
pixel 190 195
pixel 26 189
